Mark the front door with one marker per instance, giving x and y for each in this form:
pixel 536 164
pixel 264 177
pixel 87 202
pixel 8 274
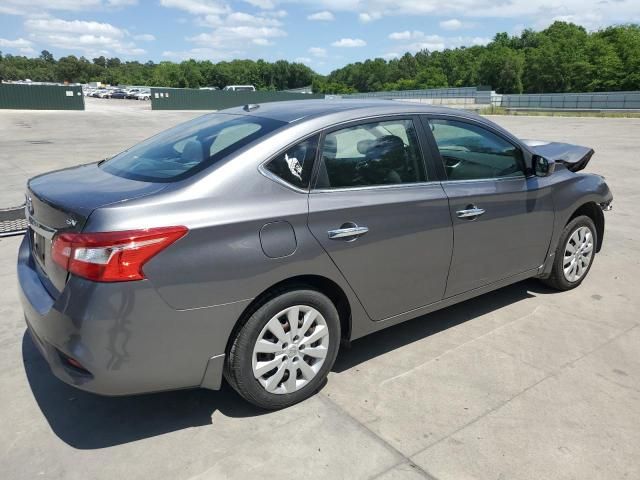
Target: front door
pixel 502 219
pixel 385 226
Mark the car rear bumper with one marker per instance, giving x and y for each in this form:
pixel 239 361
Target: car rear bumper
pixel 125 337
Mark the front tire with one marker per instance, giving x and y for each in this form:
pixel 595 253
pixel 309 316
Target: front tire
pixel 574 254
pixel 285 350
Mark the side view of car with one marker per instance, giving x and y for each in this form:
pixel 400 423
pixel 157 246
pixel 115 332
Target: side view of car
pixel 239 88
pixel 118 94
pixel 143 95
pixel 249 244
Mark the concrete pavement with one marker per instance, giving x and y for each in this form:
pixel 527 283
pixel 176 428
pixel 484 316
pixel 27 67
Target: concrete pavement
pixel 522 383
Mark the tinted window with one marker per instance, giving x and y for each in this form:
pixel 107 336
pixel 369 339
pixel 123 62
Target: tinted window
pixel 189 147
pixel 470 152
pixel 295 165
pixel 380 153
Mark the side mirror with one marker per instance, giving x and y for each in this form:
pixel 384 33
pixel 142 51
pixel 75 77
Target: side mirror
pixel 543 167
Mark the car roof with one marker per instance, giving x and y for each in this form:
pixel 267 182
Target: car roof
pixel 295 110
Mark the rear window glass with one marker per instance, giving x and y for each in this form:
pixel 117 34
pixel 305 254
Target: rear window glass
pixel 189 148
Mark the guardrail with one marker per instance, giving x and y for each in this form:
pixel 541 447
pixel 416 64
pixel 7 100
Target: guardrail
pixel 466 96
pixel 569 101
pixel 435 93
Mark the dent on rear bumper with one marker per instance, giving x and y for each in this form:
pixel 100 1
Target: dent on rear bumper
pixel 125 334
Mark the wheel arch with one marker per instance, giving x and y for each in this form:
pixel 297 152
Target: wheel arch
pixel 594 212
pixel 322 284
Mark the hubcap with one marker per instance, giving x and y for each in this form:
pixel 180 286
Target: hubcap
pixel 578 254
pixel 290 349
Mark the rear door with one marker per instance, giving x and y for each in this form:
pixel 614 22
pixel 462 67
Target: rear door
pixel 502 218
pixel 377 214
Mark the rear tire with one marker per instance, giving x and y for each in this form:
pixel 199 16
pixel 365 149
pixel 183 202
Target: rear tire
pixel 574 254
pixel 285 350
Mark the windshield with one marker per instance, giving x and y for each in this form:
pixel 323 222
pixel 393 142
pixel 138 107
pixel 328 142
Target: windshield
pixel 189 148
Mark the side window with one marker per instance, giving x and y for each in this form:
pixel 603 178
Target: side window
pixel 378 153
pixel 470 152
pixel 295 165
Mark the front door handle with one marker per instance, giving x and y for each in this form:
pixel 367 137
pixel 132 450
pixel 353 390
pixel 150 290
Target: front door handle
pixel 470 212
pixel 348 231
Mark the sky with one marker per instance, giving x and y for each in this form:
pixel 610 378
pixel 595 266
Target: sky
pixel 324 34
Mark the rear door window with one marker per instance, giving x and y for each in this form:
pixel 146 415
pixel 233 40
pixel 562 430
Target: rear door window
pixel 189 148
pixel 373 153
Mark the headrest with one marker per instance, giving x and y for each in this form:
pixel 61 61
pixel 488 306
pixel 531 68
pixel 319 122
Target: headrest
pixel 385 145
pixel 192 152
pixel 364 146
pixel 330 147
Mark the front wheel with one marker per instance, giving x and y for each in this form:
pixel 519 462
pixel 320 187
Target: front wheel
pixel 285 350
pixel 574 255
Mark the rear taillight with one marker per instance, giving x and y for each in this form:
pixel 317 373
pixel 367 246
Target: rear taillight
pixel 112 256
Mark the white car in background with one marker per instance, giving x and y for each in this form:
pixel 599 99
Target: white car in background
pixel 239 88
pixel 143 95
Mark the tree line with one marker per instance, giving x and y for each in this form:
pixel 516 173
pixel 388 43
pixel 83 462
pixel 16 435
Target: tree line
pixel 562 58
pixel 280 75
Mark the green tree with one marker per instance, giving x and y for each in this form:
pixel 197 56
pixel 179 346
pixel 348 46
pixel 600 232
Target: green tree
pixel 501 68
pixel 46 56
pixel 69 69
pixel 431 77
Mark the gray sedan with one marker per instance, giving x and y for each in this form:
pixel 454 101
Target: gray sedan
pixel 250 243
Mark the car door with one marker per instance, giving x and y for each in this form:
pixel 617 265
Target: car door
pixel 375 212
pixel 502 218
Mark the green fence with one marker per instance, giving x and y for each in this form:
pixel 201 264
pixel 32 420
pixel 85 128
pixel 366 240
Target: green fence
pixel 41 97
pixel 193 99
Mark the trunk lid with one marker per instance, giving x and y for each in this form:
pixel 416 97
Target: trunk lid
pixel 574 157
pixel 61 201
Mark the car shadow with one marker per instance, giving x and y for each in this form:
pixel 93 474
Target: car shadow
pixel 408 332
pixel 87 421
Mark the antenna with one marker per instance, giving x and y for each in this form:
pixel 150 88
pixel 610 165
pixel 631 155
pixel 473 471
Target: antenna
pixel 249 107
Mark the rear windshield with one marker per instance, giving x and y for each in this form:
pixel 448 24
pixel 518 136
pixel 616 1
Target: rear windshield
pixel 188 148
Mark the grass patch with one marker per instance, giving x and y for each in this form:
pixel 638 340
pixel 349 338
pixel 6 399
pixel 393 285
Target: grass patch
pixel 493 110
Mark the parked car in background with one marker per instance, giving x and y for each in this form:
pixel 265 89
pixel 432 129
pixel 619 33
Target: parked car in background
pixel 118 94
pixel 131 92
pixel 252 242
pixel 239 88
pixel 209 88
pixel 143 95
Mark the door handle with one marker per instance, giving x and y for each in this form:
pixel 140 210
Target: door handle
pixel 348 231
pixel 470 212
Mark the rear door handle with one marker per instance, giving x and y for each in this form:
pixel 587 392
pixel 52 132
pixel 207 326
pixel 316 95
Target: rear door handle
pixel 351 232
pixel 470 212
